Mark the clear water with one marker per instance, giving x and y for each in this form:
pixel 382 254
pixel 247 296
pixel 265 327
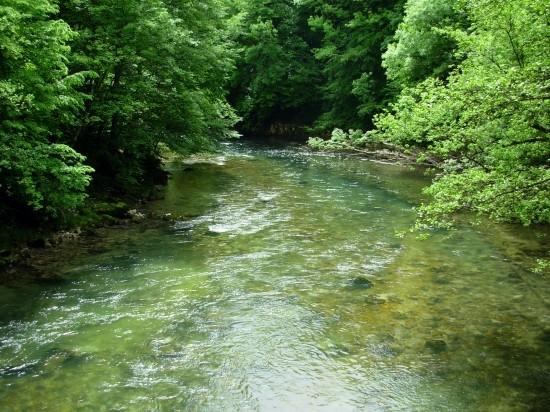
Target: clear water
pixel 282 286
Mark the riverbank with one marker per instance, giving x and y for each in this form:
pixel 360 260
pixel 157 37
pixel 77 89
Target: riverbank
pixel 31 252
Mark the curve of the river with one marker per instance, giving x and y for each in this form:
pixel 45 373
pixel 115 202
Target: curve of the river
pixel 282 285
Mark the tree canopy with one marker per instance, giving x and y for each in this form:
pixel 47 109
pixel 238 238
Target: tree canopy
pixel 486 127
pixel 354 35
pixel 97 85
pixel 159 75
pixel 277 81
pixel 312 63
pixel 91 90
pixel 422 46
pixel 38 97
pixel 474 104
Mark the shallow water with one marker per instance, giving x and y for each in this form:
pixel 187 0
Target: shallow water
pixel 282 285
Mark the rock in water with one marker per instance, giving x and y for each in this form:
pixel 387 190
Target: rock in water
pixel 436 345
pixel 136 216
pixel 360 282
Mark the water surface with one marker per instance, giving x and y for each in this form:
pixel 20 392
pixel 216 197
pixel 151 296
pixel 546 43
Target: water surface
pixel 281 285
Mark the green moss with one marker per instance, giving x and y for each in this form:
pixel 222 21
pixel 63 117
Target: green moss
pixel 117 209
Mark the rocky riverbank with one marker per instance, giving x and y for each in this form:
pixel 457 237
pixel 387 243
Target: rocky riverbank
pixel 33 259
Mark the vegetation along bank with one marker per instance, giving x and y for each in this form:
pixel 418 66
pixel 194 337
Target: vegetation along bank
pixel 91 92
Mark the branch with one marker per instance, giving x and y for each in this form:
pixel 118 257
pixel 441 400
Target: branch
pixel 522 189
pixel 540 128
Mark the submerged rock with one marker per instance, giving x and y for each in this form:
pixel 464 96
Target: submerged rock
pixel 382 299
pixel 49 277
pixel 359 283
pixel 436 345
pixel 375 300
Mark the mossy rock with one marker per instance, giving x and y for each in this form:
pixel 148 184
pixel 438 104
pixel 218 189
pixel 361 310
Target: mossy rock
pixel 360 283
pixel 117 209
pixel 436 346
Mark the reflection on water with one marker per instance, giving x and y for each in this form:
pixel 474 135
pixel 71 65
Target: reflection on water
pixel 283 286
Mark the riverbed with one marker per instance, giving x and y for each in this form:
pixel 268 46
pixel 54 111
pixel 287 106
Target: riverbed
pixel 284 280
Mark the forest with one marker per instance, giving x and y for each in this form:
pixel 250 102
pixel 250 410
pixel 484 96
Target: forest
pixel 93 92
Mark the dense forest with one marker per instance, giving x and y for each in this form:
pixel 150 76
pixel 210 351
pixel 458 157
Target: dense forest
pixel 92 91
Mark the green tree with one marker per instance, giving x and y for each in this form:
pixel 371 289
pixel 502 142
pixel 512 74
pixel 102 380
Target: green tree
pixel 277 77
pixel 161 68
pixel 354 35
pixel 39 175
pixel 422 46
pixel 487 128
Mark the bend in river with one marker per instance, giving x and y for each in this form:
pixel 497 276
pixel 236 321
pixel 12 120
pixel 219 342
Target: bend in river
pixel 284 286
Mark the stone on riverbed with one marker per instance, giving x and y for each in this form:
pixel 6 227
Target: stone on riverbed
pixel 360 283
pixel 436 345
pixel 381 299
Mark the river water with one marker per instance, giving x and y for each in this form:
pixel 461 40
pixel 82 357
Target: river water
pixel 281 284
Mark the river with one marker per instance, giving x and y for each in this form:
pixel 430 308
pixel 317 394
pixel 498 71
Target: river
pixel 282 283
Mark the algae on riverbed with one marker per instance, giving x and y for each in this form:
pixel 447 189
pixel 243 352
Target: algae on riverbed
pixel 283 286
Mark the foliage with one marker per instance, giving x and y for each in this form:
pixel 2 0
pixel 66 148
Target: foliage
pixel 312 62
pixel 542 265
pixel 104 82
pixel 50 177
pixel 37 99
pixel 354 35
pixel 160 71
pixel 422 46
pixel 277 77
pixel 486 128
pixel 340 141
